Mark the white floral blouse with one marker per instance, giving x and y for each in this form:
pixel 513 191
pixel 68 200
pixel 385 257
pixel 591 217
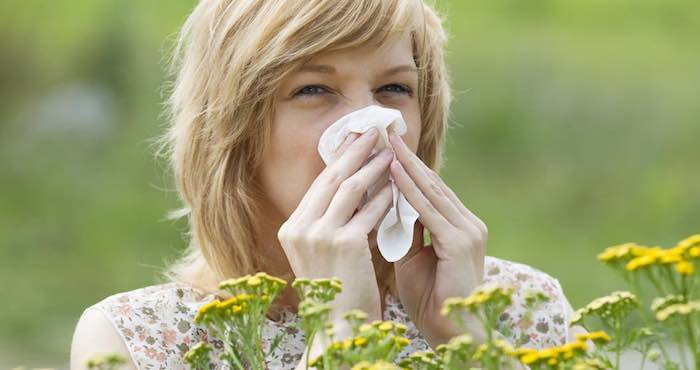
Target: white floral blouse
pixel 157 322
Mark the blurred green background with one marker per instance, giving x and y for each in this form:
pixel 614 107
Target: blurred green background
pixel 577 126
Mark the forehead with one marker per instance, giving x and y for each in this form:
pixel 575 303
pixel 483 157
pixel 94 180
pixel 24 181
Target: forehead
pixel 396 49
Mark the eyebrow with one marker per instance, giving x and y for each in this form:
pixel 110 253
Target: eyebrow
pixel 326 69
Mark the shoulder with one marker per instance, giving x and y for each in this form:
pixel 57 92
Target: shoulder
pixel 154 325
pixel 93 335
pixel 544 326
pixel 519 275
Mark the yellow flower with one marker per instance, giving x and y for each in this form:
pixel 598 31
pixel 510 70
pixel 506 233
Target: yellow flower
pixel 360 341
pixel 684 268
pixel 641 261
pixel 400 328
pixel 660 303
pixel 205 309
pixel 678 309
pixel 595 336
pixel 577 316
pixel 671 256
pixel 620 302
pixel 402 341
pixel 254 281
pixel 379 365
pixel 549 352
pixel 530 358
pixel 228 303
pixel 385 326
pixel 694 252
pixel 314 361
pixel 480 296
pixel 691 241
pixel 616 252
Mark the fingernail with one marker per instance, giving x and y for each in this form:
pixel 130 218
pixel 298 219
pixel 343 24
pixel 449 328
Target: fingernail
pixel 372 132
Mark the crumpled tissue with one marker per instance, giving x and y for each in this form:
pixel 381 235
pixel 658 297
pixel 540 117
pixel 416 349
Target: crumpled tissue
pixel 395 232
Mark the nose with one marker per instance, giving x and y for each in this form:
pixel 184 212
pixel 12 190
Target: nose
pixel 362 101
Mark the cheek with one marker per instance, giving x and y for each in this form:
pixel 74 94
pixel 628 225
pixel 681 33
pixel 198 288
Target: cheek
pixel 290 164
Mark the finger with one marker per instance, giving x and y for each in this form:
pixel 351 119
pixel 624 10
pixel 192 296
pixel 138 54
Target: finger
pixel 451 194
pixel 321 191
pixel 347 198
pixel 371 213
pixel 335 155
pixel 429 186
pixel 427 213
pixel 344 145
pixel 476 221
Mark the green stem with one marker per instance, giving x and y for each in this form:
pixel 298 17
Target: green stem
pixel 652 278
pixel 671 277
pixel 692 343
pixel 309 342
pixel 644 357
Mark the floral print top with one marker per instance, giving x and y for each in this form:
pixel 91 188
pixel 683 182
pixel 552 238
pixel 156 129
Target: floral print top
pixel 157 322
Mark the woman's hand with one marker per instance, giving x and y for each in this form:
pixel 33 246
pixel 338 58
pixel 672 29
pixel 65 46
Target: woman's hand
pixel 324 237
pixel 453 265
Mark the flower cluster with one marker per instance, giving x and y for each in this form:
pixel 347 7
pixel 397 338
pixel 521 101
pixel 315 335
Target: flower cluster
pixel 482 296
pixel 461 352
pixel 314 308
pixel 486 303
pixel 635 256
pixel 679 309
pixel 370 342
pixel 616 305
pixel 566 354
pixel 238 321
pixel 198 356
pixel 671 273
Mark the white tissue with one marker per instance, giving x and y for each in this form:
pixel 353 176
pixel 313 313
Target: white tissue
pixel 395 233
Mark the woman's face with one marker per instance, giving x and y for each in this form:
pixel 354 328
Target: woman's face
pixel 325 89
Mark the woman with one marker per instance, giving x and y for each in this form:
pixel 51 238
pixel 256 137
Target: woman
pixel 257 83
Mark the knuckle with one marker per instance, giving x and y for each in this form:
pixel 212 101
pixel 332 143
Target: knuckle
pixel 484 229
pixel 431 173
pixel 351 185
pixel 282 232
pixel 425 204
pixel 292 237
pixel 435 188
pixel 332 178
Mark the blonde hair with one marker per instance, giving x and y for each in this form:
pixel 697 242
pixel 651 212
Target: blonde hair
pixel 229 59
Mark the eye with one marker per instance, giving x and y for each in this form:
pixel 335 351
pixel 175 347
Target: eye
pixel 309 91
pixel 402 89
